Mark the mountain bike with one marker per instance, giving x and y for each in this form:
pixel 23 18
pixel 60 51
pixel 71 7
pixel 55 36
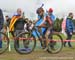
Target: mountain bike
pixel 27 41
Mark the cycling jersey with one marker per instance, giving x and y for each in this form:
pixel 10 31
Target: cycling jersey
pixel 38 24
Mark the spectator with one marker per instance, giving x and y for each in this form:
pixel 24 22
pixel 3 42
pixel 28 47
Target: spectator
pixel 64 26
pixel 14 19
pixel 1 25
pixel 12 26
pixel 17 24
pixel 6 25
pixel 7 20
pixel 69 29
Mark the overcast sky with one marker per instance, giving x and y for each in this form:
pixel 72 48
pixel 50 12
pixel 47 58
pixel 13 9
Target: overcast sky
pixel 61 7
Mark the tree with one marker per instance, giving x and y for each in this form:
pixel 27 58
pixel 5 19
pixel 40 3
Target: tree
pixel 74 22
pixel 57 24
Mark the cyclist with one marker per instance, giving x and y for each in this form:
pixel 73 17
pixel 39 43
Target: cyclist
pixel 51 15
pixel 42 21
pixel 49 19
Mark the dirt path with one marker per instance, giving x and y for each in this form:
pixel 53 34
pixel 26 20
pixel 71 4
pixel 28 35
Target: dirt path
pixel 65 54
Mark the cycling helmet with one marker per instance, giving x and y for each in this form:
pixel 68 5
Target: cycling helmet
pixel 39 10
pixel 50 10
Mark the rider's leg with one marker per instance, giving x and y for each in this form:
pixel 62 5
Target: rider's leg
pixel 50 40
pixel 46 35
pixel 44 41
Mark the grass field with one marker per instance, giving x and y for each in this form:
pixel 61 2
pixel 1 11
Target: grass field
pixel 39 54
pixel 66 54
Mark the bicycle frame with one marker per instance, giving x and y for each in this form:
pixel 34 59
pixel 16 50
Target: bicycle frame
pixel 35 28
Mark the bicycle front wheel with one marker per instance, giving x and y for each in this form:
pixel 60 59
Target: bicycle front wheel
pixel 25 43
pixel 4 42
pixel 55 43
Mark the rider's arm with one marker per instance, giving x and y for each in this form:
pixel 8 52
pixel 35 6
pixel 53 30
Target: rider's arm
pixel 43 21
pixel 49 20
pixel 36 21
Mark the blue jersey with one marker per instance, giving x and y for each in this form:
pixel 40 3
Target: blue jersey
pixel 52 17
pixel 37 24
pixel 39 21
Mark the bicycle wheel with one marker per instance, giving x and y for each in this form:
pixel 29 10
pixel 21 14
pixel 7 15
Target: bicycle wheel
pixel 25 43
pixel 55 44
pixel 4 42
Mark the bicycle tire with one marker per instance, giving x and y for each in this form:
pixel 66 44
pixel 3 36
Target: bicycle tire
pixel 6 42
pixel 15 44
pixel 61 40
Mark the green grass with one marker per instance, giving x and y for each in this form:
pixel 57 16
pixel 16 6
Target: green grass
pixel 13 55
pixel 38 44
